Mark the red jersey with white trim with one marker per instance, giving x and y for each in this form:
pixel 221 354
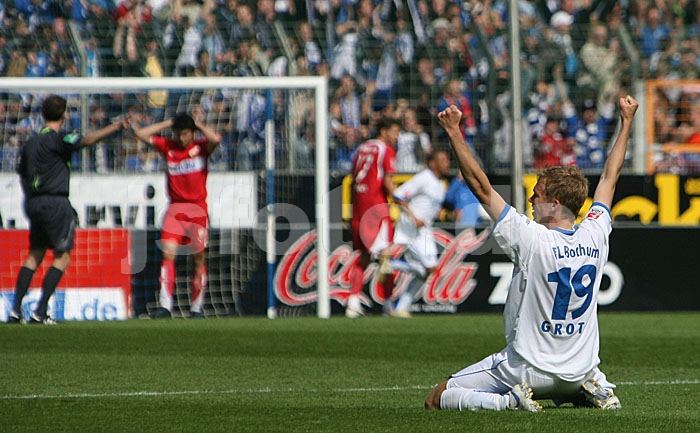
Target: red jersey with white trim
pixel 186 168
pixel 373 161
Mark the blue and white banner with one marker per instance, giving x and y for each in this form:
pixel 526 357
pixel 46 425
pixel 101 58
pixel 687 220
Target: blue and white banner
pixel 73 304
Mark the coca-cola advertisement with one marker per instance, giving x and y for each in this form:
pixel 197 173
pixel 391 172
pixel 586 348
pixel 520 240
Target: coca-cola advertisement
pixel 447 287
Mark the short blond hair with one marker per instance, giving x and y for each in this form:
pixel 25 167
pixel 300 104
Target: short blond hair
pixel 565 184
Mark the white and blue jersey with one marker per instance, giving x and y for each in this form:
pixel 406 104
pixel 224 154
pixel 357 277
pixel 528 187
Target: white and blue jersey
pixel 551 311
pixel 424 193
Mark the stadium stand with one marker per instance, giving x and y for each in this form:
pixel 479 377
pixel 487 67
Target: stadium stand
pixel 382 58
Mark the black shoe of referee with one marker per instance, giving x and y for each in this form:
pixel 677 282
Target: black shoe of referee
pixel 14 317
pixel 34 319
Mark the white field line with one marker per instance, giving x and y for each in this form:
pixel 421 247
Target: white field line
pixel 661 382
pixel 280 390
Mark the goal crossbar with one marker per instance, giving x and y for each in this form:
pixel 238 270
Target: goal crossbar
pixel 85 85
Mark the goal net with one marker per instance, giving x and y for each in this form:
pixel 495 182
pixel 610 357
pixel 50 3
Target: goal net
pixel 274 139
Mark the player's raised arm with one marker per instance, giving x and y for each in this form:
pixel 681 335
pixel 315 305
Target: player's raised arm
pixel 471 170
pixel 144 134
pixel 93 137
pixel 213 137
pixel 613 166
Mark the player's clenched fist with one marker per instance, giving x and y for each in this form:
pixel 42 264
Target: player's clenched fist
pixel 450 117
pixel 628 106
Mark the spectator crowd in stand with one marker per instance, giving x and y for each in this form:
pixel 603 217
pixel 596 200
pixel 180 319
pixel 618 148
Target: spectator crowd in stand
pixel 402 58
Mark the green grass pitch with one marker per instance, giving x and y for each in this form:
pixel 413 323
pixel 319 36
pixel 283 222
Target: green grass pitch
pixel 298 375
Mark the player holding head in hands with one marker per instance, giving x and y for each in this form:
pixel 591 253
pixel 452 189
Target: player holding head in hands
pixel 186 221
pixel 44 170
pixel 372 229
pixel 550 315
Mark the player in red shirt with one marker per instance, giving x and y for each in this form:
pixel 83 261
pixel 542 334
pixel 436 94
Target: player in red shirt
pixel 372 228
pixel 186 222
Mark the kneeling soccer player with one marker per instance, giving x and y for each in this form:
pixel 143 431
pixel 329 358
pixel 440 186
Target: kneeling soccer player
pixel 550 315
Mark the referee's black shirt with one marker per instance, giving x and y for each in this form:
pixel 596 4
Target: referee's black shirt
pixel 44 166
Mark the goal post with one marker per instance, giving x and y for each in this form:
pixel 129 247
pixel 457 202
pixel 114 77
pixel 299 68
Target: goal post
pixel 316 84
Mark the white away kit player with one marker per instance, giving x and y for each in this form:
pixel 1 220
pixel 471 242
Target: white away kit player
pixel 550 315
pixel 421 199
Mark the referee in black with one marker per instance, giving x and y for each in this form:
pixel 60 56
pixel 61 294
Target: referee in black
pixel 44 170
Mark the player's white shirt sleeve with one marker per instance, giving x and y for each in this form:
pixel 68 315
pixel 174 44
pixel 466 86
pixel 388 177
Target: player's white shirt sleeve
pixel 517 235
pixel 406 228
pixel 407 190
pixel 600 218
pixel 425 193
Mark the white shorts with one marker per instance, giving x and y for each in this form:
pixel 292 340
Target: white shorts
pixel 500 372
pixel 420 245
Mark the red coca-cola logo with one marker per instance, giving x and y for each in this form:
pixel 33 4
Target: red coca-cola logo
pixel 451 283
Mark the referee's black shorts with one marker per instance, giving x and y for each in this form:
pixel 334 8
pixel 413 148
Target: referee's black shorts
pixel 52 222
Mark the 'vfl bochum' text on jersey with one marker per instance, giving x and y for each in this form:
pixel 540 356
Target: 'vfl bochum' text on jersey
pixel 186 168
pixel 551 312
pixel 373 161
pixel 425 194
